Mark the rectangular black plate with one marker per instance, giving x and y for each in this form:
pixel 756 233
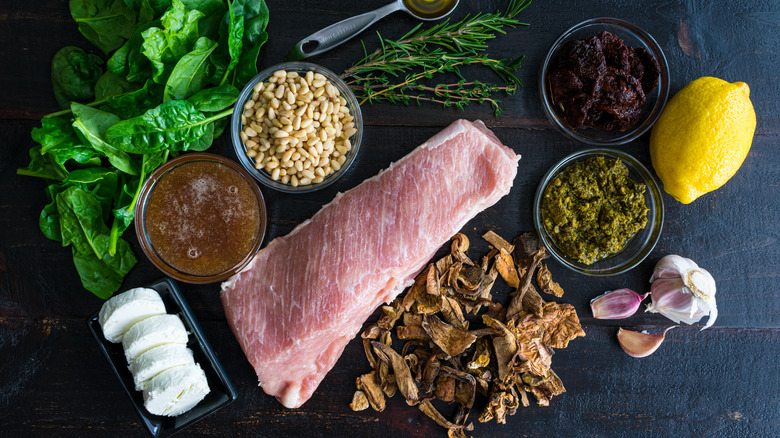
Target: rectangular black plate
pixel 222 390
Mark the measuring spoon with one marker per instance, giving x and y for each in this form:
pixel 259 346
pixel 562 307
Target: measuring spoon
pixel 344 30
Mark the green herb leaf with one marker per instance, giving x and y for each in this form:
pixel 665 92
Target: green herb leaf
pixel 105 23
pixel 191 72
pixel 73 75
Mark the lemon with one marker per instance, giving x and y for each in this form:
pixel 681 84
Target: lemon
pixel 702 137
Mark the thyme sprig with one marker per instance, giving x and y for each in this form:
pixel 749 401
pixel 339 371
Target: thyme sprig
pixel 395 71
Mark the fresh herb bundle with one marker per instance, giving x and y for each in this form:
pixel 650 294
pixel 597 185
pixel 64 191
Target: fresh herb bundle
pixel 395 72
pixel 174 71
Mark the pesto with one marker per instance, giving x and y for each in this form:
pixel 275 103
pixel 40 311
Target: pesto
pixel 592 209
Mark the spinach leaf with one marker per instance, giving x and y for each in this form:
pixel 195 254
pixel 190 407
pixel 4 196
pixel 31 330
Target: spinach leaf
pixel 111 85
pixel 147 10
pixel 129 61
pixel 49 219
pixel 191 72
pixel 242 34
pixel 214 99
pixel 231 33
pixel 174 125
pixel 82 226
pixel 43 166
pixel 204 142
pixel 59 141
pixel 117 63
pixel 136 102
pixel 124 207
pixel 247 64
pixel 213 11
pixel 219 126
pixel 165 46
pixel 92 125
pixel 105 23
pixel 90 175
pixel 73 75
pixel 256 17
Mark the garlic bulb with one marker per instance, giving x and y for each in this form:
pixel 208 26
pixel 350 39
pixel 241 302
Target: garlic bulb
pixel 617 304
pixel 682 291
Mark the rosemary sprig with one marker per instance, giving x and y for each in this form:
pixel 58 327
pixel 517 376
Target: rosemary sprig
pixel 394 71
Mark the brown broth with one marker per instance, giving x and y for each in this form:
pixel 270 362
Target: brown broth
pixel 202 218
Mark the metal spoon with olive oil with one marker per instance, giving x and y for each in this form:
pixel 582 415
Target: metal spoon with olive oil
pixel 340 32
pixel 429 9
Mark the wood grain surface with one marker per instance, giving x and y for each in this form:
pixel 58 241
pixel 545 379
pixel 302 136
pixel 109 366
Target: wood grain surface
pixel 724 381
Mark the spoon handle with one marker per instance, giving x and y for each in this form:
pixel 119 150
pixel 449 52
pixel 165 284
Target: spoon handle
pixel 338 33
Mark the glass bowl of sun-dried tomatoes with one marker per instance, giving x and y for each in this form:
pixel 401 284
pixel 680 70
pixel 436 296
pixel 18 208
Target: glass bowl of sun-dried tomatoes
pixel 604 82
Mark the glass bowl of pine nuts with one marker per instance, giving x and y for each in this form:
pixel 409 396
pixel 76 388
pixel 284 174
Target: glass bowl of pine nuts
pixel 296 127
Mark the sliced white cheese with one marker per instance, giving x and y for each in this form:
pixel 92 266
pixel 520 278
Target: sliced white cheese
pixel 153 332
pixel 175 390
pixel 123 311
pixel 157 360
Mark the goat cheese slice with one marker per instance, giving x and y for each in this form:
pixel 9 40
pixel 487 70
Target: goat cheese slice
pixel 175 390
pixel 123 311
pixel 153 332
pixel 157 360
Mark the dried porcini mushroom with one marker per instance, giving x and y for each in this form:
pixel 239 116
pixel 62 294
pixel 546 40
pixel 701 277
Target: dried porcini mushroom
pixel 359 401
pixel 544 278
pixel 457 341
pixel 452 340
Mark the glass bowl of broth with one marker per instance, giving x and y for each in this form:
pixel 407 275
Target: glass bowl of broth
pixel 200 218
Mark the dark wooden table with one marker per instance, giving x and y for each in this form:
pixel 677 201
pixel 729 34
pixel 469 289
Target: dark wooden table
pixel 723 381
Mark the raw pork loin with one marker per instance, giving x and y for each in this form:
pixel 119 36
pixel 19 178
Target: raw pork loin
pixel 303 297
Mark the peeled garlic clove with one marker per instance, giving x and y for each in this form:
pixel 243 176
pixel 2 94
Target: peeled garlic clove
pixel 637 344
pixel 617 304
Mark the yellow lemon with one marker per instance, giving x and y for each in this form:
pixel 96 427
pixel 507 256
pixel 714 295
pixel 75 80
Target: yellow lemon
pixel 702 137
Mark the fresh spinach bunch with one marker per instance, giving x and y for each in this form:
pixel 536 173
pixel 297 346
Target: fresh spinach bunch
pixel 173 73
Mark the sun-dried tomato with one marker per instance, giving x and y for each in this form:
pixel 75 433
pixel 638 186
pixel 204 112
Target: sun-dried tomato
pixel 601 82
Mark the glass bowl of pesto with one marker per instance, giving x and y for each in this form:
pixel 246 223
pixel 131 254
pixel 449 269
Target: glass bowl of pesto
pixel 598 212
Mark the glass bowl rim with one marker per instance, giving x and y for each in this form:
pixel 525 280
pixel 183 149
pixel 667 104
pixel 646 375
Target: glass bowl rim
pixel 655 215
pixel 662 89
pixel 140 214
pixel 240 148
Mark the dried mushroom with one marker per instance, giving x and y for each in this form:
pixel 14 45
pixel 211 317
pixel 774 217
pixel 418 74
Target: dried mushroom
pixel 458 342
pixel 544 278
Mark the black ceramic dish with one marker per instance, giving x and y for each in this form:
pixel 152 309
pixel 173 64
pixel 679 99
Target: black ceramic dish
pixel 222 390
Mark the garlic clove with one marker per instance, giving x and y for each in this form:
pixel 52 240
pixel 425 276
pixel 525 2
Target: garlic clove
pixel 671 294
pixel 617 304
pixel 637 344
